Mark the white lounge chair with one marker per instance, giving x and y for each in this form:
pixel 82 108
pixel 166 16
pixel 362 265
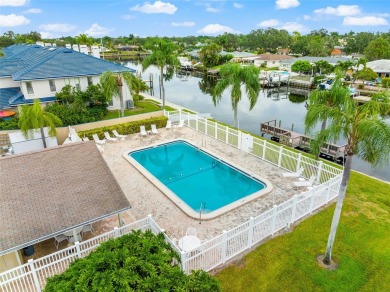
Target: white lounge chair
pixel 294 174
pixel 181 124
pixel 154 129
pixel 85 139
pixel 109 138
pixel 143 131
pixel 169 124
pixel 97 139
pixel 119 136
pixel 307 183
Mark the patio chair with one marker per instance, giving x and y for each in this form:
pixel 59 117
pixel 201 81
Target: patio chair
pixel 87 228
pixel 308 183
pixel 154 129
pixel 143 131
pixel 169 125
pixel 109 138
pixel 294 174
pixel 97 139
pixel 181 124
pixel 119 136
pixel 59 238
pixel 85 139
pixel 191 231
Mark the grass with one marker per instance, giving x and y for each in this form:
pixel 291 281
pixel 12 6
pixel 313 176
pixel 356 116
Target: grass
pixel 288 262
pixel 141 107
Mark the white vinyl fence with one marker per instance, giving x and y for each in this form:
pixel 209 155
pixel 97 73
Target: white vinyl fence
pixel 214 252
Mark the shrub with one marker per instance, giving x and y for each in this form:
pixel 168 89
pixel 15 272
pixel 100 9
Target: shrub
pixel 126 128
pixel 360 86
pixel 386 82
pixel 11 124
pixel 133 262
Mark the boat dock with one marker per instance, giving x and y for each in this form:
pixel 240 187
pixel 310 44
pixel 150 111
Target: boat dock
pixel 301 142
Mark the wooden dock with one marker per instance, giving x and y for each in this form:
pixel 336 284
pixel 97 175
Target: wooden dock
pixel 299 141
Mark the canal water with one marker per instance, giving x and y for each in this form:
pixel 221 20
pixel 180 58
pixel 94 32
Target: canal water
pixel 194 93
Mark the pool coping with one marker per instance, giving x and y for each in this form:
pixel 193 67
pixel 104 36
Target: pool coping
pixel 179 202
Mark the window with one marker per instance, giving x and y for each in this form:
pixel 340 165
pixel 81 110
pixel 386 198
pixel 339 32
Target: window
pixel 52 85
pixel 89 79
pixel 77 82
pixel 30 89
pixel 67 81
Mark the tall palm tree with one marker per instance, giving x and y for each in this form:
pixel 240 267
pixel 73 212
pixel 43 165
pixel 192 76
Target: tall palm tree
pixel 361 61
pixel 367 135
pixel 233 76
pixel 163 55
pixel 328 98
pixel 137 86
pixel 33 117
pixel 112 84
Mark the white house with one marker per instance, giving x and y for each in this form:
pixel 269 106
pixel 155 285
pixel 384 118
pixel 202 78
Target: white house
pixel 267 60
pixel 28 72
pixel 381 67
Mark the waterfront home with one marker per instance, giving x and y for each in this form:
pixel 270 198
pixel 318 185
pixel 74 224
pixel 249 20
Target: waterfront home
pixel 381 67
pixel 29 72
pixel 267 60
pixel 286 64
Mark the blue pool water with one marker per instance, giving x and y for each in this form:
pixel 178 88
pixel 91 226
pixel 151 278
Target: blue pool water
pixel 196 177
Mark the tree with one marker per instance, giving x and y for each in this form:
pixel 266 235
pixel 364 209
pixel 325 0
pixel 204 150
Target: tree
pixel 112 84
pixel 233 76
pixel 133 262
pixel 317 46
pixel 366 133
pixel 138 86
pixel 209 55
pixel 33 117
pixel 366 74
pixel 301 66
pixel 163 55
pixel 323 67
pixel 378 49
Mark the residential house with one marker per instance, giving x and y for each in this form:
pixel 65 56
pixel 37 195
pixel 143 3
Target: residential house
pixel 29 72
pixel 381 67
pixel 267 60
pixel 338 51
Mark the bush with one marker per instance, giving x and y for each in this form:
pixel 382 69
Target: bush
pixel 11 124
pixel 126 128
pixel 318 78
pixel 386 82
pixel 133 262
pixel 361 86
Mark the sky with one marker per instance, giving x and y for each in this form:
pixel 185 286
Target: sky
pixel 98 18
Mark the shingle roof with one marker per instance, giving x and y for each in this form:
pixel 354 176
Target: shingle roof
pixel 34 62
pixel 45 193
pixel 379 66
pixel 270 57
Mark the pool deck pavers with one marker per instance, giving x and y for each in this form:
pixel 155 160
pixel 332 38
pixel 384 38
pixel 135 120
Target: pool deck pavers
pixel 146 199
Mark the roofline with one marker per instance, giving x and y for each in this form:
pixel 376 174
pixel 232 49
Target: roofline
pixel 51 235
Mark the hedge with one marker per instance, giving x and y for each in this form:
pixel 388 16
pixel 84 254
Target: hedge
pixel 386 82
pixel 126 128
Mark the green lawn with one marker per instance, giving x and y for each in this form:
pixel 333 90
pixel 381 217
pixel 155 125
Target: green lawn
pixel 141 107
pixel 362 249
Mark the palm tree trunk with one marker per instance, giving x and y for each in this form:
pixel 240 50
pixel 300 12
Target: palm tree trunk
pixel 323 127
pixel 162 86
pixel 337 211
pixel 235 116
pixel 121 100
pixel 43 138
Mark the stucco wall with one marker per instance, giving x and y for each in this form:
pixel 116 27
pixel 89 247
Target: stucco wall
pixel 8 82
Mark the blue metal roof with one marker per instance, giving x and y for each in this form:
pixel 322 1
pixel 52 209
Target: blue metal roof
pixel 33 62
pixel 7 94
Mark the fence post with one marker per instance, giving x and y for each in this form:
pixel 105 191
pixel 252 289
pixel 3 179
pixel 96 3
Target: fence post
pixel 280 156
pixel 150 222
pixel 78 251
pixel 294 208
pixel 299 162
pixel 227 134
pixel 205 126
pixel 197 126
pixel 224 246
pixel 116 232
pixel 264 148
pixel 312 200
pixel 319 172
pixel 34 274
pixel 328 192
pixel 183 259
pixel 250 232
pixel 274 219
pixel 216 130
pixel 239 142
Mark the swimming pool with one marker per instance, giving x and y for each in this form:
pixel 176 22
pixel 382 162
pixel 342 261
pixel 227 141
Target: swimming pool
pixel 196 180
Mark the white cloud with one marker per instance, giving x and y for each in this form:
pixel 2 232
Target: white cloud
pixel 96 30
pixel 365 21
pixel 128 16
pixel 57 27
pixel 33 11
pixel 213 29
pixel 13 2
pixel 341 10
pixel 269 23
pixel 292 26
pixel 307 17
pixel 156 7
pixel 48 35
pixel 285 4
pixel 185 23
pixel 237 5
pixel 211 9
pixel 12 20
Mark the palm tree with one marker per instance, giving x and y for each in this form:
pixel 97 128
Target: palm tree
pixel 366 132
pixel 233 76
pixel 163 54
pixel 112 84
pixel 137 86
pixel 361 61
pixel 34 117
